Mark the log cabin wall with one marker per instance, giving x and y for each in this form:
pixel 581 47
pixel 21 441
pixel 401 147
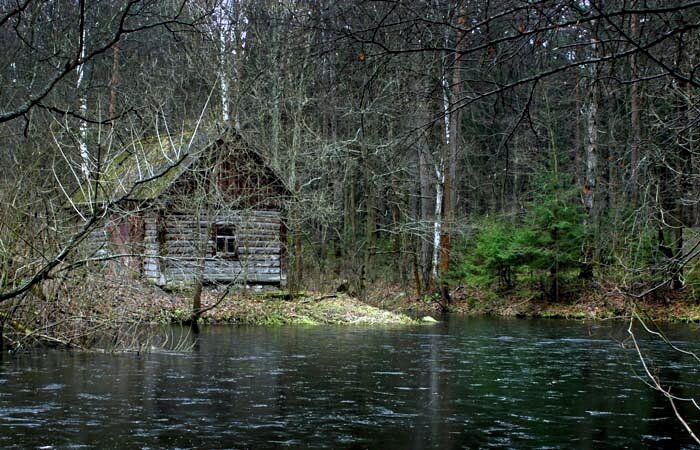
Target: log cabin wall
pixel 152 263
pixel 121 238
pixel 238 246
pixel 96 244
pixel 167 228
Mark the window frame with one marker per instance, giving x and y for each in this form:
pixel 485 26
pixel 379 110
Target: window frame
pixel 224 238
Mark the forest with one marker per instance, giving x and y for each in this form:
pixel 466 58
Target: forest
pixel 546 147
pixel 523 158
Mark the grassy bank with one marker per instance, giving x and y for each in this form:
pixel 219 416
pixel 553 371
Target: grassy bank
pixel 266 309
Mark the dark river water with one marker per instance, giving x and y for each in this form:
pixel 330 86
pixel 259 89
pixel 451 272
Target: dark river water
pixel 464 383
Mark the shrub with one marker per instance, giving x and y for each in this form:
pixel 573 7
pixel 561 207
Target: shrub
pixel 547 243
pixel 493 256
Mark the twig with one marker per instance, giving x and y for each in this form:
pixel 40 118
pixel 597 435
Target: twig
pixel 655 382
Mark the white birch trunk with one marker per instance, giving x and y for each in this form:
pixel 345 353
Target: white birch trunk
pixel 439 183
pixel 223 76
pixel 229 29
pixel 85 162
pixel 222 32
pixel 446 107
pixel 437 225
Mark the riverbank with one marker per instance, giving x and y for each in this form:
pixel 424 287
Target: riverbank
pixel 595 303
pixel 78 313
pixel 274 308
pixel 95 310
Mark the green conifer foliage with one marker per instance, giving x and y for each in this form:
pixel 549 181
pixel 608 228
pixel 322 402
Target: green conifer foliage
pixel 546 245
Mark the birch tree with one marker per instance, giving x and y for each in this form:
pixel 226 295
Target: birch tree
pixel 86 164
pixel 52 45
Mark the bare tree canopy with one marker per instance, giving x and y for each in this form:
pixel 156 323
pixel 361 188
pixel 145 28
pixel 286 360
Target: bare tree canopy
pixel 539 149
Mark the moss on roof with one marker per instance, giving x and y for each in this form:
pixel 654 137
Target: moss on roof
pixel 144 169
pixel 147 167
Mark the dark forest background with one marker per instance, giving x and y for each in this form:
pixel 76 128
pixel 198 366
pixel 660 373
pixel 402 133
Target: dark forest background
pixel 544 145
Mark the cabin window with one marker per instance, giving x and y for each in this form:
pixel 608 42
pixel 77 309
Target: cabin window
pixel 225 241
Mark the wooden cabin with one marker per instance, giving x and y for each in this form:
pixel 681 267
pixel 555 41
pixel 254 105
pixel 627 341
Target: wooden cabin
pixel 191 207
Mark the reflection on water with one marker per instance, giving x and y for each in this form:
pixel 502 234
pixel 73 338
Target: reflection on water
pixel 466 383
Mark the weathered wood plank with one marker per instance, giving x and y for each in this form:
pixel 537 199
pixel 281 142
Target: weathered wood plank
pixel 258 243
pixel 259 250
pixel 259 226
pixel 258 278
pixel 254 257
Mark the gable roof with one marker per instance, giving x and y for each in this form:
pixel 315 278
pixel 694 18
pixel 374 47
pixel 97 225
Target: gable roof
pixel 146 168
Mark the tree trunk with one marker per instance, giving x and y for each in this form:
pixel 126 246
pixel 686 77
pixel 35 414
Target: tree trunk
pixel 437 219
pixel 370 225
pixel 635 124
pixel 425 195
pixel 197 292
pixel 591 148
pixel 224 90
pixel 114 82
pixel 453 140
pixel 298 257
pixel 350 215
pixel 589 189
pixel 86 164
pixel 579 170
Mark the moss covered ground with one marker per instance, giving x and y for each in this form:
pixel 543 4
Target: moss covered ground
pixel 261 309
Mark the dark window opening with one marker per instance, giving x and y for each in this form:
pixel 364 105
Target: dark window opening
pixel 225 239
